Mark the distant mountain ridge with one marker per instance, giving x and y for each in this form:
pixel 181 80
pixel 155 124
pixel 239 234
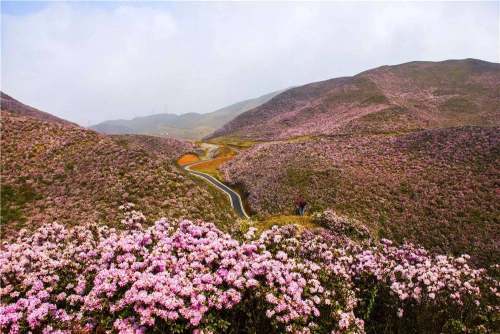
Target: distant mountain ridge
pixel 399 98
pixel 187 126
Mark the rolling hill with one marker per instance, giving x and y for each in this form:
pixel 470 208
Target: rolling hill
pixel 401 98
pixel 411 150
pixel 187 126
pixel 53 170
pixel 437 188
pixel 79 268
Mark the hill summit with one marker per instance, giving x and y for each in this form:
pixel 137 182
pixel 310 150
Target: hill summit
pixel 400 98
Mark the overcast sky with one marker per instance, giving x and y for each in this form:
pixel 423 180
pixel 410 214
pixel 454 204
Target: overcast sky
pixel 89 62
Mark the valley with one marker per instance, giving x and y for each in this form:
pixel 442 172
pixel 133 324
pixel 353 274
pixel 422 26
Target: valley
pixel 207 168
pixel 396 170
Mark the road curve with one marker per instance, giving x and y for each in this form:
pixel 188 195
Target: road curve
pixel 234 197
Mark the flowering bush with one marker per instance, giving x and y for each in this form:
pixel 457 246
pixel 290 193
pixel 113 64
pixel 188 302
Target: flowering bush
pixel 167 147
pixel 340 224
pixel 181 276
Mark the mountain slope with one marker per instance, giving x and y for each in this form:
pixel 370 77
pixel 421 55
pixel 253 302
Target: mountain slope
pixel 406 97
pixel 12 105
pixel 59 172
pixel 435 187
pixel 188 126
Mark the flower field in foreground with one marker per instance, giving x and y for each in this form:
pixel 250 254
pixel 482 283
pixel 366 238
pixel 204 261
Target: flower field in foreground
pixel 188 276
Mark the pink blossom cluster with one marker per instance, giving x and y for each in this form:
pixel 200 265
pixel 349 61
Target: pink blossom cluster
pixel 67 278
pixel 133 218
pixel 192 275
pixel 411 276
pixel 340 224
pixel 412 273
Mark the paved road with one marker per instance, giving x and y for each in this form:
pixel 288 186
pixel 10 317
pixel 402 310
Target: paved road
pixel 234 197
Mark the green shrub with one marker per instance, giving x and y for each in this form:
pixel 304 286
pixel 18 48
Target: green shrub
pixel 13 199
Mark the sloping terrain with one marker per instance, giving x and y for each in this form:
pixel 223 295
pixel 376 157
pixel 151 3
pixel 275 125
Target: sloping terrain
pixel 12 105
pixel 188 126
pixel 401 98
pixel 58 172
pixel 438 187
pixel 166 147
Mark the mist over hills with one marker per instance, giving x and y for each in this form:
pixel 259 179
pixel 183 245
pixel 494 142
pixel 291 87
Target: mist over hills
pixel 187 126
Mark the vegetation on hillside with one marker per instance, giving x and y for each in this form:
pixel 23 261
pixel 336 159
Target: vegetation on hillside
pixel 79 176
pixel 375 156
pixel 387 99
pixel 437 187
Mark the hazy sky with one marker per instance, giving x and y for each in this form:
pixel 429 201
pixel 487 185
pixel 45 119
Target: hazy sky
pixel 89 62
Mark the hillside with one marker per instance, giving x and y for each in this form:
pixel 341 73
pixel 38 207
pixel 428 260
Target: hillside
pixel 187 126
pixel 58 172
pixel 437 188
pixel 401 98
pixel 164 147
pixel 12 105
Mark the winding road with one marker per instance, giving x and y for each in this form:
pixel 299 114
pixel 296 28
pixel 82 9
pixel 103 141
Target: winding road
pixel 234 197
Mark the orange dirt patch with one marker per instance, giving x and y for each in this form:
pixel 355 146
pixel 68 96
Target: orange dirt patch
pixel 212 166
pixel 187 159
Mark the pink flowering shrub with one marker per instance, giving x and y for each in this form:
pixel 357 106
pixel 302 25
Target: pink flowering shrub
pixel 398 288
pixel 329 219
pixel 183 276
pixel 169 276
